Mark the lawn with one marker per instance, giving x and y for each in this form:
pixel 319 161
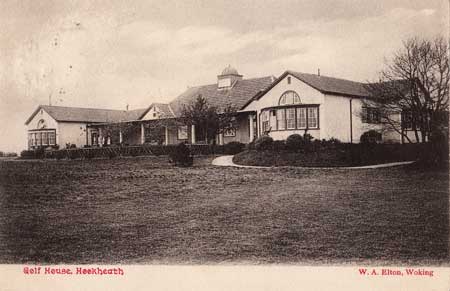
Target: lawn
pixel 143 210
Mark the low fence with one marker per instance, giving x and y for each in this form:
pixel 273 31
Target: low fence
pixel 119 151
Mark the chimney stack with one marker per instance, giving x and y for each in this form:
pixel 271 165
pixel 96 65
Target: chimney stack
pixel 318 72
pixel 127 106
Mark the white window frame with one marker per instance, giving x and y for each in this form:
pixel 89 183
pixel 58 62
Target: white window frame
pixel 292 119
pixel 182 132
pixel 313 117
pixel 281 119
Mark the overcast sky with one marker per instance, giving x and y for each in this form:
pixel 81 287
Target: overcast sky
pixel 107 54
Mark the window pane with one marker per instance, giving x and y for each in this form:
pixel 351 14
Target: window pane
pixel 44 138
pixel 265 121
pixel 38 139
pixel 51 138
pixel 290 119
pixel 312 117
pixel 296 99
pixel 281 117
pixel 301 117
pixel 289 98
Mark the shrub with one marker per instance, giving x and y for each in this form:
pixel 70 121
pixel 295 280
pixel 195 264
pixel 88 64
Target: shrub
pixel 73 154
pixel 234 147
pixel 26 154
pixel 33 154
pixel 250 146
pixel 334 141
pixel 263 143
pixel 307 138
pixel 181 156
pixel 112 154
pixel 294 142
pixel 279 145
pixel 370 137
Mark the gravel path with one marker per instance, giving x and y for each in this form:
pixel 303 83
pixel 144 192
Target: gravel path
pixel 227 161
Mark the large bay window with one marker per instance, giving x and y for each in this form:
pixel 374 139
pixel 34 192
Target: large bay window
pixel 42 137
pixel 291 118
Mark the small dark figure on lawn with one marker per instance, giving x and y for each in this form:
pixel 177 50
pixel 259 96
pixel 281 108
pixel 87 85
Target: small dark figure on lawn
pixel 181 156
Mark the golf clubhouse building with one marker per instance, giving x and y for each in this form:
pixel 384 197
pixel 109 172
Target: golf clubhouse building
pixel 324 107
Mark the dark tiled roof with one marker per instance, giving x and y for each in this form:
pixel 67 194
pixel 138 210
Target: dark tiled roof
pixel 76 114
pixel 332 85
pixel 164 109
pixel 240 93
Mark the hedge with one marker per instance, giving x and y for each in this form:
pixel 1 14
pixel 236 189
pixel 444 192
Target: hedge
pixel 117 151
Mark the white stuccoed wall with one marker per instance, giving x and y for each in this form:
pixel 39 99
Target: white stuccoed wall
pixel 72 132
pixel 149 114
pixel 50 122
pixel 42 114
pixel 308 95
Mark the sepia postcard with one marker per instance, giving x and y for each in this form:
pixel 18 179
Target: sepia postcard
pixel 224 145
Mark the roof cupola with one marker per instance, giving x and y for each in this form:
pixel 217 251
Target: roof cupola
pixel 228 78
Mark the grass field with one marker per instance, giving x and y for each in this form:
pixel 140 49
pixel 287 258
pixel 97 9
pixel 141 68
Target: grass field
pixel 143 210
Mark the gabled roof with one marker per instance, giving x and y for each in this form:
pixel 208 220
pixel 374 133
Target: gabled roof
pixel 332 85
pixel 93 115
pixel 238 95
pixel 163 108
pixel 324 84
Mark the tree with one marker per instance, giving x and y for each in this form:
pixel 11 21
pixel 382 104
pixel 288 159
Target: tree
pixel 413 90
pixel 208 120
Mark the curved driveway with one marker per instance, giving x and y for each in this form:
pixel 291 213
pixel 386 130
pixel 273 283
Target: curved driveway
pixel 227 161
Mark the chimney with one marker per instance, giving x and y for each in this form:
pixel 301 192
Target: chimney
pixel 318 72
pixel 127 106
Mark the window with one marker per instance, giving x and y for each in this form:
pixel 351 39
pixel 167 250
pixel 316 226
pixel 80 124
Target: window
pixel 301 117
pixel 182 132
pixel 94 138
pixel 51 138
pixel 289 80
pixel 281 119
pixel 38 139
pixel 407 120
pixel 371 115
pixel 230 132
pixel 265 121
pixel 41 124
pixel 290 118
pixel 44 138
pixel 288 98
pixel 224 83
pixel 312 117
